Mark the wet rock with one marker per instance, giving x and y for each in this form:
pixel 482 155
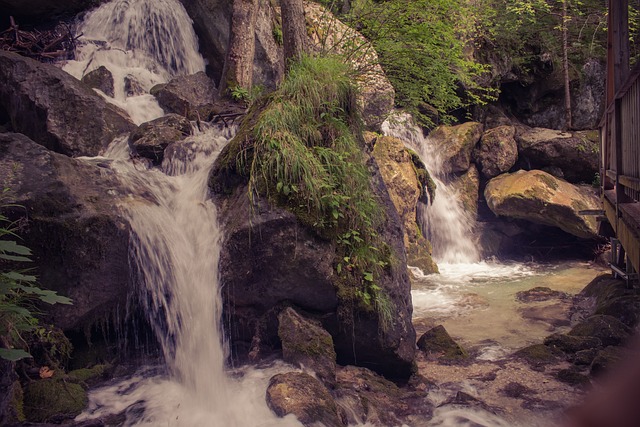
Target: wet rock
pixel 101 79
pixel 541 198
pixel 132 87
pixel 437 341
pixel 456 143
pixel 572 344
pixel 573 377
pixel 607 328
pixel 56 110
pixel 606 359
pixel 399 174
pixel 539 355
pixel 614 298
pixel 150 139
pixel 575 153
pixel 539 293
pixel 305 343
pixel 44 8
pixel 80 243
pixel 584 357
pixel 467 186
pixel 305 397
pixel 53 400
pixel 517 390
pixel 184 95
pixel 497 151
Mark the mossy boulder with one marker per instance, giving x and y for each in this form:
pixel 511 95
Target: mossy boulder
pixel 52 400
pixel 608 329
pixel 539 355
pixel 456 143
pixel 305 397
pixel 607 358
pixel 150 139
pixel 305 343
pixel 400 175
pixel 87 376
pixel 540 293
pixel 572 344
pixel 573 376
pixel 614 298
pixel 437 341
pixel 539 197
pixel 574 153
pixel 497 151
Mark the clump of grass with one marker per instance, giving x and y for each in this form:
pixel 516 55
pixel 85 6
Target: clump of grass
pixel 304 150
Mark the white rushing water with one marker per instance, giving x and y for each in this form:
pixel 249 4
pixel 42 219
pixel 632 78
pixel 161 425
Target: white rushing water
pixel 445 222
pixel 142 43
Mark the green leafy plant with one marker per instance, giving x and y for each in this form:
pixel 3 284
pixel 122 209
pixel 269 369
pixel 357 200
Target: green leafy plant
pixel 303 149
pixel 18 294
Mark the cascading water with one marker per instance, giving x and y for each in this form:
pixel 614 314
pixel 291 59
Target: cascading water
pixel 444 222
pixel 142 43
pixel 175 235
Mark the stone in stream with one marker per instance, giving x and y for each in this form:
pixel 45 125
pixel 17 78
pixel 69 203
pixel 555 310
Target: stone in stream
pixel 572 344
pixel 305 397
pixel 150 139
pixel 101 79
pixel 55 109
pixel 437 341
pixel 305 343
pixel 608 329
pixel 185 94
pixel 539 355
pixel 540 293
pixel 538 197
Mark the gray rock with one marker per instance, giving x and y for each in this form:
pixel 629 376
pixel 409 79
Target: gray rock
pixel 79 241
pixel 607 328
pixel 497 151
pixel 56 110
pixel 305 397
pixel 101 79
pixel 306 343
pixel 456 143
pixel 132 87
pixel 185 94
pixel 438 341
pixel 151 138
pixel 574 153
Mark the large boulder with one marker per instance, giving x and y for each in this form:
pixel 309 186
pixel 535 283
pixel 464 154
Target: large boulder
pixel 497 151
pixel 400 176
pixel 306 344
pixel 184 94
pixel 538 197
pixel 455 144
pixel 79 241
pixel 56 110
pixel 574 153
pixel 305 397
pixel 101 79
pixel 329 34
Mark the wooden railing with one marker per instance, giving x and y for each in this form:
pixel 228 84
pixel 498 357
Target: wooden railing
pixel 620 165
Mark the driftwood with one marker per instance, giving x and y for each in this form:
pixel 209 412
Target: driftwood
pixel 56 44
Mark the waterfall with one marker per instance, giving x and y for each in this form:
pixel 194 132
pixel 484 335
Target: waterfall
pixel 142 43
pixel 175 235
pixel 444 222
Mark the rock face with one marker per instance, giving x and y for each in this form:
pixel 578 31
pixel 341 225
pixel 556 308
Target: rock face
pixel 575 154
pixel 497 151
pixel 456 143
pixel 399 175
pixel 306 343
pixel 185 93
pixel 468 187
pixel 152 138
pixel 79 242
pixel 305 397
pixel 56 110
pixel 539 197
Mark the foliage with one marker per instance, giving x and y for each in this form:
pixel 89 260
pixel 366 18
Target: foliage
pixel 421 45
pixel 18 293
pixel 304 151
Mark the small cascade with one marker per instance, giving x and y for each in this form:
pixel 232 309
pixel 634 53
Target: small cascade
pixel 445 222
pixel 142 43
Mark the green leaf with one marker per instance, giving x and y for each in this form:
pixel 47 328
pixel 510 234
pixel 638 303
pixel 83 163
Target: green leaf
pixel 13 247
pixel 51 297
pixel 368 276
pixel 14 258
pixel 13 354
pixel 14 275
pixel 279 186
pixel 339 268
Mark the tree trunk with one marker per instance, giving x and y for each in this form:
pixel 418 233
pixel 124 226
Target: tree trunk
pixel 238 65
pixel 294 30
pixel 565 65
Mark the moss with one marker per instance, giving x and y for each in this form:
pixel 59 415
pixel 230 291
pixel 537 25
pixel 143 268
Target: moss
pixel 85 375
pixel 438 341
pixel 45 400
pixel 16 405
pixel 548 180
pixel 538 354
pixel 427 183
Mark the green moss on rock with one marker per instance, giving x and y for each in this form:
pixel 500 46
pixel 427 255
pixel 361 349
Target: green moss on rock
pixel 45 400
pixel 438 341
